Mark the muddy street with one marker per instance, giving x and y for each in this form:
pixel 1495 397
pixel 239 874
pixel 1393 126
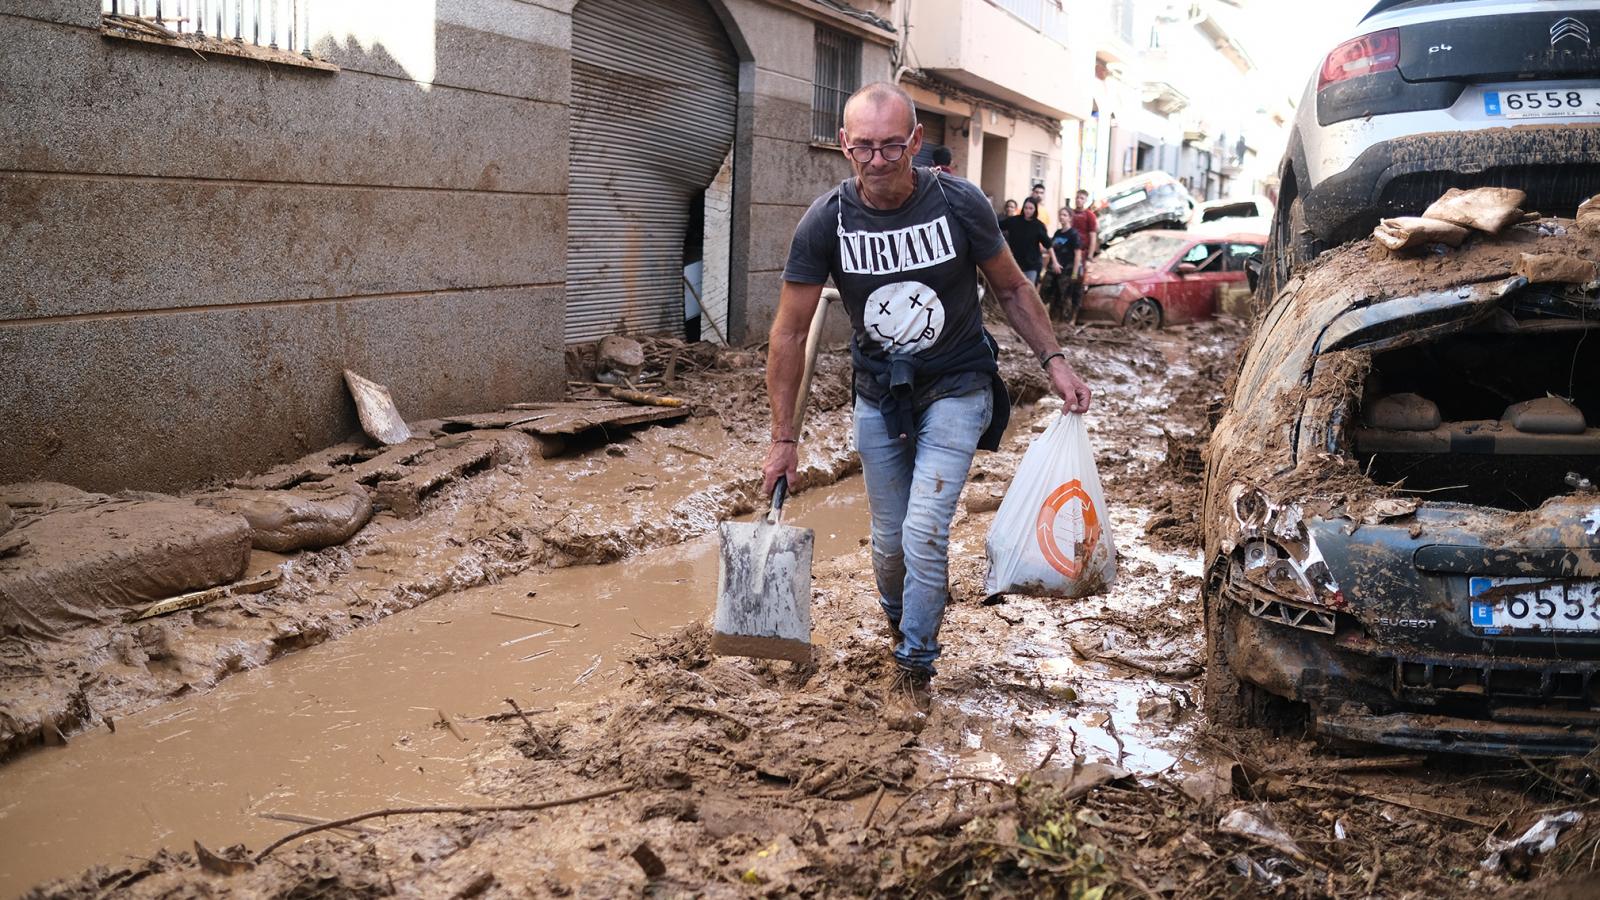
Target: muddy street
pixel 1064 753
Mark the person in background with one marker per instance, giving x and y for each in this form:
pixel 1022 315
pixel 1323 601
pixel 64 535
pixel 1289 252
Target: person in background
pixel 1029 240
pixel 1038 199
pixel 1087 225
pixel 1057 290
pixel 943 160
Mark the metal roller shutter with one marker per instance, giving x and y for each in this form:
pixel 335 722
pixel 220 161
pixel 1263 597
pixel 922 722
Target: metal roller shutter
pixel 932 136
pixel 654 100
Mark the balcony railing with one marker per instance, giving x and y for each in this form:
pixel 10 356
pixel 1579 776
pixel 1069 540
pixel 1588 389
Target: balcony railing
pixel 1045 16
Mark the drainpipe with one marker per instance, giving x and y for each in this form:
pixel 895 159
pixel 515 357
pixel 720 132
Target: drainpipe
pixel 900 68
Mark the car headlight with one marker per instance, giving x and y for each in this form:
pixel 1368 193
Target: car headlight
pixel 1278 552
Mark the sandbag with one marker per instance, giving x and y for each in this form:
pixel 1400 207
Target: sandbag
pixel 1052 535
pixel 1407 232
pixel 1557 268
pixel 92 564
pixel 1490 209
pixel 1589 215
pixel 286 521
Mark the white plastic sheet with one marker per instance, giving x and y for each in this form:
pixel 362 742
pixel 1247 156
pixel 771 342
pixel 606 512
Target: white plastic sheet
pixel 1052 534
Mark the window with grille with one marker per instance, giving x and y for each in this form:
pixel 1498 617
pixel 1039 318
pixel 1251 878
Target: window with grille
pixel 273 24
pixel 838 74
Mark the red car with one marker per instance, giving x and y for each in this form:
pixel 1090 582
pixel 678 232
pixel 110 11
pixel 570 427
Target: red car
pixel 1156 278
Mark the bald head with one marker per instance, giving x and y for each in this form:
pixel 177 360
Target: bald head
pixel 881 97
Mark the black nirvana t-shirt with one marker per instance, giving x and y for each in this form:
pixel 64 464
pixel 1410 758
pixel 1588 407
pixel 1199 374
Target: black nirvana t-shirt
pixel 908 276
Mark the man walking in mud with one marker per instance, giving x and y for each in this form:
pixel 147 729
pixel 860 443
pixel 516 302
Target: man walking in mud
pixel 903 246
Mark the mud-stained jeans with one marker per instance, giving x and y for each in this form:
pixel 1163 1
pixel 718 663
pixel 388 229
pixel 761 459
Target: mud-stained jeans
pixel 912 487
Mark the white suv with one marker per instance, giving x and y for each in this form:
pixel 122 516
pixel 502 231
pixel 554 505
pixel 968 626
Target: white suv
pixel 1432 94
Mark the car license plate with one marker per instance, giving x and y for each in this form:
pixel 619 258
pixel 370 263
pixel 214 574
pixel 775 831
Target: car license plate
pixel 1542 104
pixel 1544 604
pixel 1127 200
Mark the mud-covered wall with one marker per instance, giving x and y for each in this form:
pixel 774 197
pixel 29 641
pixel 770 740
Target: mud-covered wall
pixel 194 247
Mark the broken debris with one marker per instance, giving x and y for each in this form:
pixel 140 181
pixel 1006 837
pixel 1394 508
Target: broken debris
pixel 1538 840
pixel 376 409
pixel 621 359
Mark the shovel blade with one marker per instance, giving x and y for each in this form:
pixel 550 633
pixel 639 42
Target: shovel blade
pixel 764 592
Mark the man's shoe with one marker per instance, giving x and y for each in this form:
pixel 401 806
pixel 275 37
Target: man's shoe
pixel 910 700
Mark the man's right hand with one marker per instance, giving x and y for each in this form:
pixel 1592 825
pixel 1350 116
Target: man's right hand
pixel 782 459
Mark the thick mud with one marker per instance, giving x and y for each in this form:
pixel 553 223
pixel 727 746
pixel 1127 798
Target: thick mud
pixel 1062 756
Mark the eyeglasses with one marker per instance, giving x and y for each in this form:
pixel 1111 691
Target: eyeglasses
pixel 861 153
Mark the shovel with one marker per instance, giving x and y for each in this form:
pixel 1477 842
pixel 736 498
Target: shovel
pixel 764 582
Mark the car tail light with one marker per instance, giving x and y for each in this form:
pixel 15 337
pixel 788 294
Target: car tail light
pixel 1366 55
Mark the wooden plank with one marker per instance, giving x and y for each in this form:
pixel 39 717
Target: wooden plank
pixel 254 584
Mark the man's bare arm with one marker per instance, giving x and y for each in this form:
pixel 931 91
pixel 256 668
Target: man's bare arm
pixel 1025 311
pixel 786 351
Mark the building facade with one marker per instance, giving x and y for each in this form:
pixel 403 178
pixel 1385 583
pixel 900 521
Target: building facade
pixel 212 214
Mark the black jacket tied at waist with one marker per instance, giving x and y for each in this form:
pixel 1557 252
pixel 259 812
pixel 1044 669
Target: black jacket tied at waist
pixel 901 377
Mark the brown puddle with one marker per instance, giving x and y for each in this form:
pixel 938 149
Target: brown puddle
pixel 353 724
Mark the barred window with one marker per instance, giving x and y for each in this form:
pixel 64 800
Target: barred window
pixel 272 31
pixel 838 75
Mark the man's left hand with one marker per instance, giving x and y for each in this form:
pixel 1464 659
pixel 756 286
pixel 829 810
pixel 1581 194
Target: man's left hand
pixel 1072 389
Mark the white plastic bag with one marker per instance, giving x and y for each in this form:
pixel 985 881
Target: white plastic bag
pixel 1052 535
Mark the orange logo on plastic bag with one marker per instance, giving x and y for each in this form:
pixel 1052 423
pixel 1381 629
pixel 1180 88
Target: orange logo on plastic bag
pixel 1046 528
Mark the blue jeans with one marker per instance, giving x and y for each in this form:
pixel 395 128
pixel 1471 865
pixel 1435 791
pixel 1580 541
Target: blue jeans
pixel 912 487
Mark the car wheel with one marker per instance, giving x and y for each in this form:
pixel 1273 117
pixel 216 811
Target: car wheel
pixel 1301 243
pixel 1143 315
pixel 1226 699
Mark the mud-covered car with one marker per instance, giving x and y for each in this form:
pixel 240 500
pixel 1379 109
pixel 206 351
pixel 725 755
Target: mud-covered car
pixel 1402 528
pixel 1425 95
pixel 1141 202
pixel 1157 278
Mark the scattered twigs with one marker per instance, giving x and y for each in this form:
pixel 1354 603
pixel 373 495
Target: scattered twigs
pixel 442 810
pixel 957 819
pixel 1392 801
pixel 1111 729
pixel 588 672
pixel 1373 764
pixel 445 720
pixel 296 819
pixel 895 813
pixel 691 450
pixel 1180 671
pixel 526 722
pixel 689 709
pixel 883 788
pixel 511 615
pixel 640 398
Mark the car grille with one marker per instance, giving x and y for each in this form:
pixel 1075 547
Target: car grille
pixel 1552 683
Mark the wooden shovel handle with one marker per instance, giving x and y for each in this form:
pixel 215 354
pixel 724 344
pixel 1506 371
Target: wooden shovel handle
pixel 813 338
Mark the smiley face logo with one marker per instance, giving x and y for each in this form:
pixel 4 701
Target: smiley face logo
pixel 904 317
